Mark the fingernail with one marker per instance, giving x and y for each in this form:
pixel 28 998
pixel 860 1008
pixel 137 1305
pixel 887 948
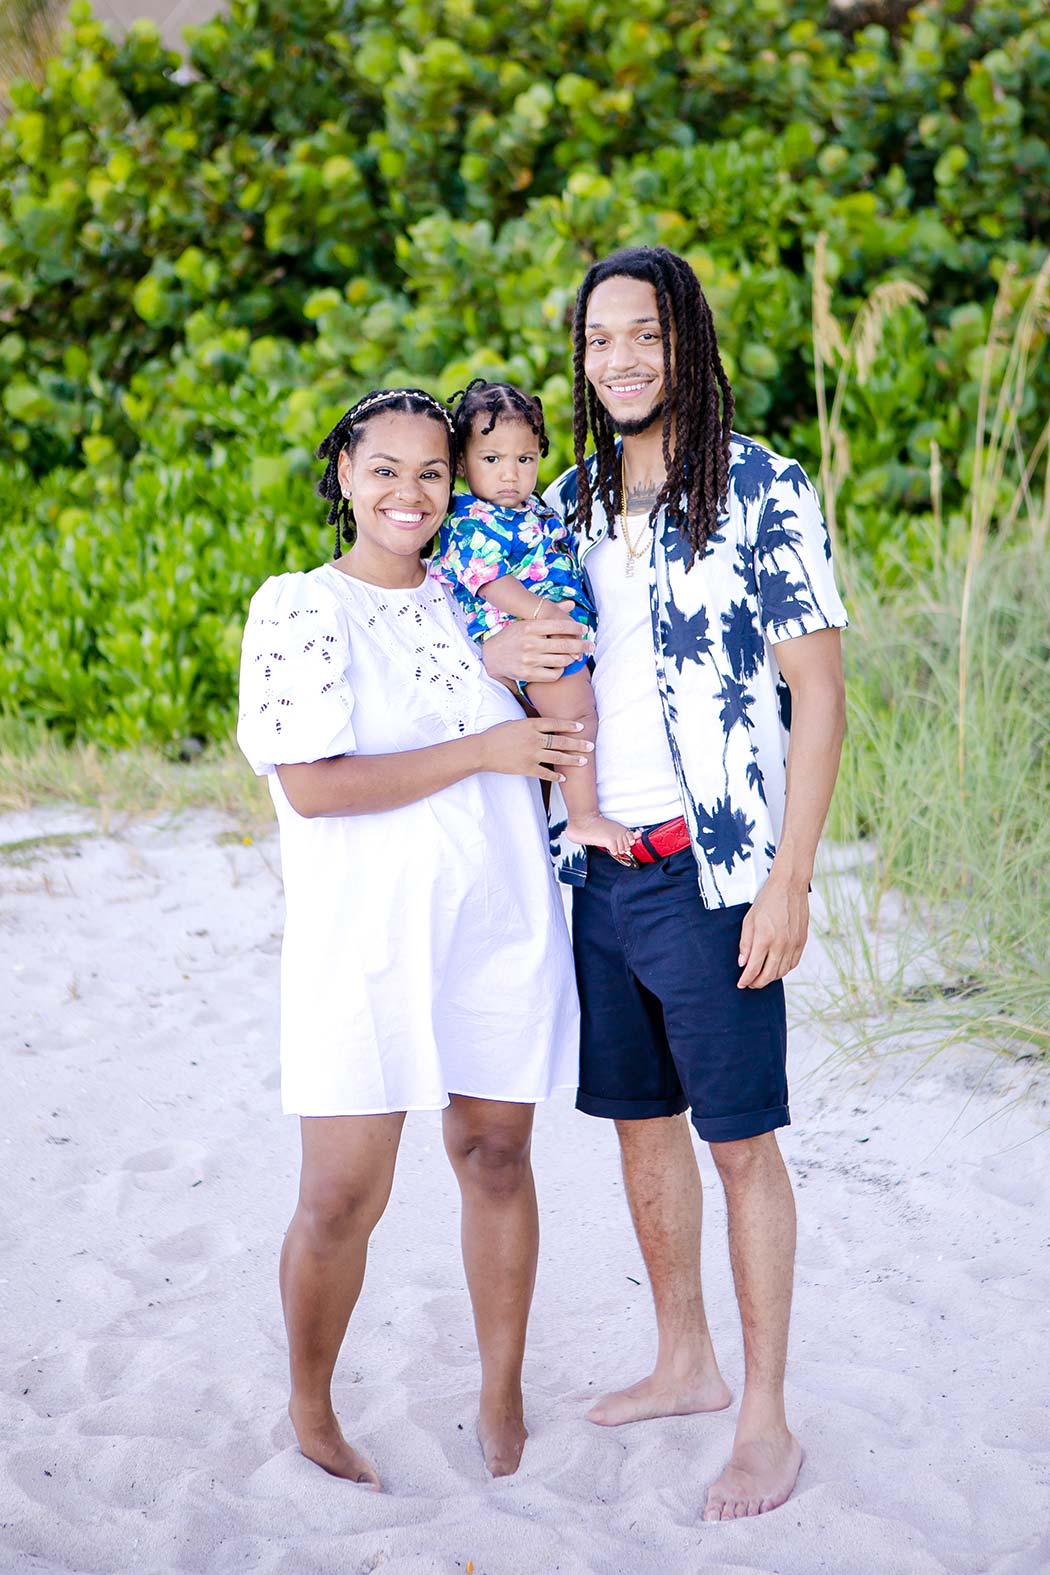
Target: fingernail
pixel 561 779
pixel 578 726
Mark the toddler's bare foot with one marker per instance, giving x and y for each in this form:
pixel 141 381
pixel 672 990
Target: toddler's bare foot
pixel 595 831
pixel 321 1440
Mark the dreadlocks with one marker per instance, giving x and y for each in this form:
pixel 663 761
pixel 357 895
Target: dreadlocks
pixel 346 434
pixel 500 402
pixel 698 467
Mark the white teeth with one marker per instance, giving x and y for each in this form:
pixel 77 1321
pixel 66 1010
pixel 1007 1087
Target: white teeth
pixel 627 388
pixel 405 519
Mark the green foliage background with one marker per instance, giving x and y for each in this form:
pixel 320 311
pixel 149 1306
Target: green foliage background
pixel 199 270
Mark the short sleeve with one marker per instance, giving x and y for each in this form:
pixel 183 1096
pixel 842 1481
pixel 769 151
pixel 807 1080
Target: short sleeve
pixel 296 699
pixel 796 581
pixel 477 544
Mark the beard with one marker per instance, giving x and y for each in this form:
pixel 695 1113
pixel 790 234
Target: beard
pixel 640 424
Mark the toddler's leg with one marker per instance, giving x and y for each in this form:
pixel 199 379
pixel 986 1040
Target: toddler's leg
pixel 570 698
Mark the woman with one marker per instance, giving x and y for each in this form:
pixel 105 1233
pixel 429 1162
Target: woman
pixel 426 963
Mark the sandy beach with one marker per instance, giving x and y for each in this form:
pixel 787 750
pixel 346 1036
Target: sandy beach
pixel 148 1178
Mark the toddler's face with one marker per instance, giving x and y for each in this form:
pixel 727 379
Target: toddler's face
pixel 500 466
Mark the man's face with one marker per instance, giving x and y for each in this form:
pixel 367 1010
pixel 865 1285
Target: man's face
pixel 624 354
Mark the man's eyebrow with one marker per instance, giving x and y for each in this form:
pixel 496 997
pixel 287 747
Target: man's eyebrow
pixel 634 323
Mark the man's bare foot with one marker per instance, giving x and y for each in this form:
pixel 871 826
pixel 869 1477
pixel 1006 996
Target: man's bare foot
pixel 321 1440
pixel 595 831
pixel 502 1434
pixel 760 1476
pixel 655 1396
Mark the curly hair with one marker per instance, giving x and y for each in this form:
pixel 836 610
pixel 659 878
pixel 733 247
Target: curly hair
pixel 697 399
pixel 346 434
pixel 500 402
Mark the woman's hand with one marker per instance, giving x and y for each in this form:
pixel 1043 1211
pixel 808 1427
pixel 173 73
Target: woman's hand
pixel 541 746
pixel 536 650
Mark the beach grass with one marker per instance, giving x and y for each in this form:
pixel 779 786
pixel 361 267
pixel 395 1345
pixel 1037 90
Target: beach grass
pixel 36 768
pixel 943 927
pixel 944 924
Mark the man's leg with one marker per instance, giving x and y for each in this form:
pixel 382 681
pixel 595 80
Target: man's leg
pixel 766 1457
pixel 665 1198
pixel 347 1173
pixel 488 1142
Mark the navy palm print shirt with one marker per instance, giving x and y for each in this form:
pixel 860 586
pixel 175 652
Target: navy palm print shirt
pixel 765 576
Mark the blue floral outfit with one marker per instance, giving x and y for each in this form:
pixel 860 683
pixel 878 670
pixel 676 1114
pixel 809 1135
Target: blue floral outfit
pixel 765 576
pixel 481 542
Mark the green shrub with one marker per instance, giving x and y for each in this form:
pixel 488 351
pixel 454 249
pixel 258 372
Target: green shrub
pixel 198 270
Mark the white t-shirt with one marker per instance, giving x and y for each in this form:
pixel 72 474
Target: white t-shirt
pixel 637 784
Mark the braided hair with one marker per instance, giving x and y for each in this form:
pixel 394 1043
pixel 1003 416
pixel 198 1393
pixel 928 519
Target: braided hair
pixel 500 402
pixel 347 433
pixel 697 470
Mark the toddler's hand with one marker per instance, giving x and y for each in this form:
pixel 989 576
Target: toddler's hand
pixel 549 609
pixel 596 831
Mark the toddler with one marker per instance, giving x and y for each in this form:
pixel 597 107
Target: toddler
pixel 506 556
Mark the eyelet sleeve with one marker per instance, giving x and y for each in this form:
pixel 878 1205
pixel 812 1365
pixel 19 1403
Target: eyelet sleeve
pixel 296 694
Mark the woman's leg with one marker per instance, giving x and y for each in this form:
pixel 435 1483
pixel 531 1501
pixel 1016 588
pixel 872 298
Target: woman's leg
pixel 347 1172
pixel 488 1142
pixel 571 698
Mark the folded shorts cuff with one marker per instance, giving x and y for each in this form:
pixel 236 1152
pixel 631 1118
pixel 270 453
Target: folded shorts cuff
pixel 733 1129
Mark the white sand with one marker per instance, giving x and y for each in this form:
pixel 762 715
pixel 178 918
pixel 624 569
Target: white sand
pixel 150 1174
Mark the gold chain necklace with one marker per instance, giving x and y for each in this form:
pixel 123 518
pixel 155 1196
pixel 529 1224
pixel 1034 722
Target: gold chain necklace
pixel 636 548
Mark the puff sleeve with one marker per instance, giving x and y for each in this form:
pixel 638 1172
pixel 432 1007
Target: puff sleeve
pixel 296 697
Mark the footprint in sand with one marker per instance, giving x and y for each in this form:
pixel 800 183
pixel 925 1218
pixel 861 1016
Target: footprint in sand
pixel 203 1243
pixel 169 1156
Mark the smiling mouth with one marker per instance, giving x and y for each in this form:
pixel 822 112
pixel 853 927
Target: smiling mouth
pixel 408 519
pixel 628 390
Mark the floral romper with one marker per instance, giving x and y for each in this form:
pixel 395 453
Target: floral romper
pixel 481 542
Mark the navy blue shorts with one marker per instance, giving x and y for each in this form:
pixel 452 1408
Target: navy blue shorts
pixel 663 1026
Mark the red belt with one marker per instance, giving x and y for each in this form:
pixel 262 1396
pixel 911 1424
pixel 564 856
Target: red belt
pixel 659 842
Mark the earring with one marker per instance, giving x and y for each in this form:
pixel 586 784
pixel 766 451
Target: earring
pixel 345 493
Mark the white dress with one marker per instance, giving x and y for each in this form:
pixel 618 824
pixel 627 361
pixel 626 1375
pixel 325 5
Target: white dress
pixel 425 948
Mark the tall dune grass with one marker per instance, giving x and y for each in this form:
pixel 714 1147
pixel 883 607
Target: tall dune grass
pixel 945 784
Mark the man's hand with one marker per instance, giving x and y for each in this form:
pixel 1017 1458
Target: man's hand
pixel 774 932
pixel 536 650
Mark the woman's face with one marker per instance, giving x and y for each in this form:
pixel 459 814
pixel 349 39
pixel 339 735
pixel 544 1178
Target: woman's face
pixel 398 479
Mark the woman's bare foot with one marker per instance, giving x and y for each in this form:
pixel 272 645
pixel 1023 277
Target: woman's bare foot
pixel 760 1476
pixel 658 1396
pixel 321 1440
pixel 595 831
pixel 501 1434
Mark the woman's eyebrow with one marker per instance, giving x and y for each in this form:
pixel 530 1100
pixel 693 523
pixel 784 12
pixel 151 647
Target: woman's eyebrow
pixel 441 460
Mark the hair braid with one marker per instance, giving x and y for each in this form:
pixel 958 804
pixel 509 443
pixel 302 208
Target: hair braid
pixel 499 402
pixel 698 399
pixel 346 434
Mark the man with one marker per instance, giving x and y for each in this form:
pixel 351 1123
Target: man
pixel 718 622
